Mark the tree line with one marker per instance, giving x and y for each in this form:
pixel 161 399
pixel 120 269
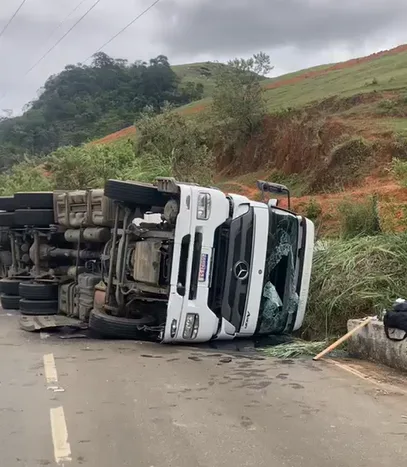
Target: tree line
pixel 86 102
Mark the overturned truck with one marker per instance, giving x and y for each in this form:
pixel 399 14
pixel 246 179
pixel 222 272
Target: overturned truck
pixel 171 262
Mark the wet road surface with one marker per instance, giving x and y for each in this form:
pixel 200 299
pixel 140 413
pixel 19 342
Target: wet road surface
pixel 111 404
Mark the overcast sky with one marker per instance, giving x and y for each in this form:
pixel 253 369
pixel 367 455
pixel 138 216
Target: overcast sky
pixel 296 33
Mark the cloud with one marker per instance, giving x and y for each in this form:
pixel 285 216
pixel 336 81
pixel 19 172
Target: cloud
pixel 228 26
pixel 34 31
pixel 296 33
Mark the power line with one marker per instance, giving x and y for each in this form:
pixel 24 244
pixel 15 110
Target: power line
pixel 124 29
pixel 65 19
pixel 62 38
pixel 56 43
pixel 12 17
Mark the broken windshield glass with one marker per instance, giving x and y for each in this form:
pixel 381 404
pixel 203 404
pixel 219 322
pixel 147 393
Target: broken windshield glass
pixel 279 298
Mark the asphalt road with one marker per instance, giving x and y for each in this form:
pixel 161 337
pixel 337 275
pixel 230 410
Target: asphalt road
pixel 112 404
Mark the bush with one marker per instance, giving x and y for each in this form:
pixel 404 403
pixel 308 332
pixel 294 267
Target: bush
pixel 393 107
pixel 25 176
pixel 399 170
pixel 171 144
pixel 167 145
pixel 312 210
pixel 358 219
pixel 91 165
pixel 352 279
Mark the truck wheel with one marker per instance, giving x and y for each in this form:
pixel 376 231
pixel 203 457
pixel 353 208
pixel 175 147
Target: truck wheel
pixel 7 203
pixel 38 307
pixel 33 291
pixel 9 287
pixel 34 200
pixel 114 327
pixel 10 302
pixel 137 194
pixel 40 217
pixel 6 219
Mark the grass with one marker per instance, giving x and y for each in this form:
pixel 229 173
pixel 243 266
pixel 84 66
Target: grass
pixel 359 217
pixel 295 74
pixel 389 72
pixel 381 74
pixel 397 125
pixel 297 348
pixel 353 279
pixel 201 72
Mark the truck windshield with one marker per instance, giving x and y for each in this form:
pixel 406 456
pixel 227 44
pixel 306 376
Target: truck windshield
pixel 279 299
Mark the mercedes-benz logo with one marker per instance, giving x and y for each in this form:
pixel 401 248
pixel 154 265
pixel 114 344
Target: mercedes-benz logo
pixel 241 270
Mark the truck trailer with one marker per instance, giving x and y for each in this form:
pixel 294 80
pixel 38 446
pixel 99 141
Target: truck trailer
pixel 169 262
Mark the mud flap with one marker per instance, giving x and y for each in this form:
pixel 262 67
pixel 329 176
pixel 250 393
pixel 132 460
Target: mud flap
pixel 42 323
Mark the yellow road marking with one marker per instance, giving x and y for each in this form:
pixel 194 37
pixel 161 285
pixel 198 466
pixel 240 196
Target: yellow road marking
pixel 62 449
pixel 50 369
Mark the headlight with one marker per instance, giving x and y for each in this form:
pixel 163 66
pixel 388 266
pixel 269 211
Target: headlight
pixel 203 210
pixel 191 326
pixel 174 326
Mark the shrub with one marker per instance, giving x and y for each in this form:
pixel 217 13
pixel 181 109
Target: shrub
pixel 25 176
pixel 171 144
pixel 359 218
pixel 399 169
pixel 313 210
pixel 91 165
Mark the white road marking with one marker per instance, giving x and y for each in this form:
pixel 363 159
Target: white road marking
pixel 44 335
pixel 62 449
pixel 50 369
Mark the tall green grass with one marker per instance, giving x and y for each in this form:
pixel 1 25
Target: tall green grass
pixel 352 279
pixel 359 218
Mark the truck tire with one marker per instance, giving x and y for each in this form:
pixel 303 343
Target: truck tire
pixel 38 307
pixel 114 327
pixel 33 291
pixel 39 217
pixel 10 302
pixel 34 200
pixel 9 287
pixel 6 219
pixel 135 194
pixel 7 203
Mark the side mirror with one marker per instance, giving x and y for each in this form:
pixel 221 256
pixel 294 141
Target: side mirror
pixel 276 188
pixel 271 187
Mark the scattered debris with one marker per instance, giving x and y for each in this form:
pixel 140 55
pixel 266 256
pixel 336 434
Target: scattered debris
pixel 225 360
pixel 57 322
pixel 56 389
pixel 296 348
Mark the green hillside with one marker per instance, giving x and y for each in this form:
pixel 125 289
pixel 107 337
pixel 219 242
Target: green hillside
pixel 198 73
pixel 378 74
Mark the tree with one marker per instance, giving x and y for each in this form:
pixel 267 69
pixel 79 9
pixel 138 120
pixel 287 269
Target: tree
pixel 238 99
pixel 86 102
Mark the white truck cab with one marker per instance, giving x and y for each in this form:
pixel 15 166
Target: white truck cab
pixel 240 268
